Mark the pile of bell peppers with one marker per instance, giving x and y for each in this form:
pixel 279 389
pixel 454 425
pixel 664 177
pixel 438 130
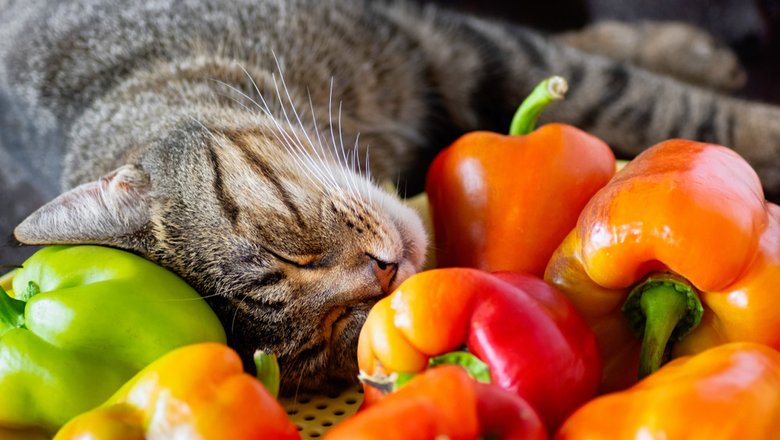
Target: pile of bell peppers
pixel 677 253
pixel 526 332
pixel 650 276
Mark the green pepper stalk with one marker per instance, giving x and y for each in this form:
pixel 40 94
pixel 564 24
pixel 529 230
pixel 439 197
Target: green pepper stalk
pixel 475 368
pixel 662 309
pixel 267 371
pixel 551 89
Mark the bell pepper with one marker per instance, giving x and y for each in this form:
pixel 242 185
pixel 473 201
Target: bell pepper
pixel 728 392
pixel 527 333
pixel 504 203
pixel 81 322
pixel 195 392
pixel 679 253
pixel 444 402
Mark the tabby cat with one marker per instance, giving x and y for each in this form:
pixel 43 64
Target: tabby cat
pixel 240 143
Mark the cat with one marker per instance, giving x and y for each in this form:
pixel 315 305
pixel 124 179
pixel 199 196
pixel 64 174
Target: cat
pixel 240 144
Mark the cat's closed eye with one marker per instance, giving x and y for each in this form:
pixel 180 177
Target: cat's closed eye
pixel 300 261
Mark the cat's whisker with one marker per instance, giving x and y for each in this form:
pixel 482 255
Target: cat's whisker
pixel 361 176
pixel 351 177
pixel 330 117
pixel 342 166
pixel 235 314
pixel 267 111
pixel 295 112
pixel 336 155
pixel 312 173
pixel 301 158
pixel 317 130
pixel 299 161
pixel 299 372
pixel 369 182
pixel 327 173
pixel 299 143
pixel 330 127
pixel 289 142
pixel 341 134
pixel 219 142
pixel 201 297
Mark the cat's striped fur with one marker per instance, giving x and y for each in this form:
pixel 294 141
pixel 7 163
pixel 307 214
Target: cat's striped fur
pixel 219 128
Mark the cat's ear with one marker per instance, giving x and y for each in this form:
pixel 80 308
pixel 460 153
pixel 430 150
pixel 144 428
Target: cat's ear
pixel 111 211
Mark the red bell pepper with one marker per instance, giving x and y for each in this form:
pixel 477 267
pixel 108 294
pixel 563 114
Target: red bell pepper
pixel 532 340
pixel 444 402
pixel 504 203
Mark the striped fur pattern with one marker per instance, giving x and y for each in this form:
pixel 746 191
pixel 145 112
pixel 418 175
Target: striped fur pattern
pixel 239 143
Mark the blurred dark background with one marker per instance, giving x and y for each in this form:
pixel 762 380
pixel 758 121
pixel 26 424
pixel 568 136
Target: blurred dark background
pixel 750 27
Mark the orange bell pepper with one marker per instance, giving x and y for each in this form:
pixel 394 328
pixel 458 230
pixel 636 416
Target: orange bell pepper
pixel 504 203
pixel 444 402
pixel 527 333
pixel 199 391
pixel 681 250
pixel 728 392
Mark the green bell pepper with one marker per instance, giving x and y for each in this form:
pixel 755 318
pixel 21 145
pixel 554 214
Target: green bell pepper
pixel 80 321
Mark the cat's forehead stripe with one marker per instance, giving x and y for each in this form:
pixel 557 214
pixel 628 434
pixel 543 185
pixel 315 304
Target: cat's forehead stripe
pixel 226 202
pixel 263 169
pixel 247 144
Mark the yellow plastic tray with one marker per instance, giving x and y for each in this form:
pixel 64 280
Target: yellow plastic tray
pixel 314 415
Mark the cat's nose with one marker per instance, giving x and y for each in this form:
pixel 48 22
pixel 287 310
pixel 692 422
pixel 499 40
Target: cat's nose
pixel 386 273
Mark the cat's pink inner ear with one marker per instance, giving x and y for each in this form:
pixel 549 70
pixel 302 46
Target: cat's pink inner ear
pixel 99 212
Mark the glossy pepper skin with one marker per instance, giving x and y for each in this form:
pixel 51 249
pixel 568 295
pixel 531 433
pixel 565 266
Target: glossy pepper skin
pixel 504 203
pixel 197 392
pixel 685 211
pixel 728 392
pixel 85 319
pixel 444 402
pixel 527 333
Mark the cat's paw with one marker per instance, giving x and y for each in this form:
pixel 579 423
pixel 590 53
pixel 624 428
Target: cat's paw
pixel 676 49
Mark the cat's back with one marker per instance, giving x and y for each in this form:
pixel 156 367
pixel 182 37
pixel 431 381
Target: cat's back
pixel 57 58
pixel 65 65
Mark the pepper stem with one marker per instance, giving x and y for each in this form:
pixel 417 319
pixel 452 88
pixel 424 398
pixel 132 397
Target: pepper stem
pixel 549 90
pixel 473 365
pixel 477 369
pixel 11 312
pixel 267 371
pixel 661 310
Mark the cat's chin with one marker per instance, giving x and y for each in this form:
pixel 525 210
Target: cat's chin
pixel 336 368
pixel 342 363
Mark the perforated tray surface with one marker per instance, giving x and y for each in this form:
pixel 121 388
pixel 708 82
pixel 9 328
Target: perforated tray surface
pixel 314 415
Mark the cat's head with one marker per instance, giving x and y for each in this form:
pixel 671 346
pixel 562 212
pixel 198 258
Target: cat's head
pixel 290 249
